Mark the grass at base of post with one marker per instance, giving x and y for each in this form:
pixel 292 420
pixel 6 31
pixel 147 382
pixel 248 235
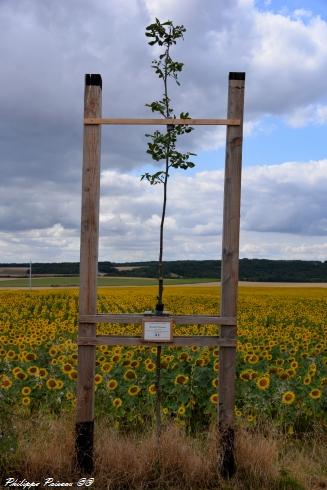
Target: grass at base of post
pixel 266 459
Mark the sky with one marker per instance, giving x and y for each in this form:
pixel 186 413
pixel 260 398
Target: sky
pixel 47 48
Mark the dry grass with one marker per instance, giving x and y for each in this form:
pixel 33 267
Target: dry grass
pixel 270 461
pixel 308 461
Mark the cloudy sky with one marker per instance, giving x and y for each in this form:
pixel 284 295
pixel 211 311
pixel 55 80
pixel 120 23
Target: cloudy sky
pixel 47 47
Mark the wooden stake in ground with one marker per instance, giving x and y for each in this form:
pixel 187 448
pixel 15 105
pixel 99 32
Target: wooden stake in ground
pixel 88 274
pixel 230 271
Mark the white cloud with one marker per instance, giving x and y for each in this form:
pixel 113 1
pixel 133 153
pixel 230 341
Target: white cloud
pixel 282 216
pixel 302 13
pixel 47 47
pixel 306 115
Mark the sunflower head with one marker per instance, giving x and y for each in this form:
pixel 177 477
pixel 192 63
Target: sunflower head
pixel 315 394
pixel 26 390
pixel 288 397
pixel 51 384
pixel 66 368
pixel 112 384
pixel 26 401
pixel 129 375
pixel 98 379
pixel 152 389
pixel 134 390
pixel 150 366
pixel 181 410
pixel 214 398
pixel 6 383
pixel 181 379
pixel 117 402
pixel 263 382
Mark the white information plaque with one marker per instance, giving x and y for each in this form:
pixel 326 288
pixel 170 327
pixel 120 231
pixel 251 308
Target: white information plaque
pixel 157 330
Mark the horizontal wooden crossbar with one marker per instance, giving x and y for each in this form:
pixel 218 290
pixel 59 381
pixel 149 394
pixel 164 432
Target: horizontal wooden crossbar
pixel 198 340
pixel 177 319
pixel 163 121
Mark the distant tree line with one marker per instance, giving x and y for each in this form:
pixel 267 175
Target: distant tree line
pixel 250 269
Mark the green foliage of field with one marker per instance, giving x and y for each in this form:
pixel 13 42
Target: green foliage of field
pixel 281 358
pixel 56 281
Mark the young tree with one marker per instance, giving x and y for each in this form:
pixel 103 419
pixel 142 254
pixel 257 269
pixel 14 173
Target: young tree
pixel 162 145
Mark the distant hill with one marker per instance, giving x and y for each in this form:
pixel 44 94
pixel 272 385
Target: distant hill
pixel 250 269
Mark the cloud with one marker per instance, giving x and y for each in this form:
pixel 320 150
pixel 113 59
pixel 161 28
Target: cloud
pixel 306 115
pixel 286 198
pixel 47 47
pixel 282 216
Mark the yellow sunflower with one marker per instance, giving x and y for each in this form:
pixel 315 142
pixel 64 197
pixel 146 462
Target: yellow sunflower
pixel 67 368
pixel 26 391
pixel 129 375
pixel 184 356
pixel 152 389
pixel 150 366
pixel 245 375
pixel 33 371
pixel 181 410
pixel 134 390
pixel 73 374
pixel 288 397
pixel 263 382
pixel 51 384
pixel 43 373
pixel 250 418
pixel 117 402
pixel 214 398
pixel 112 384
pixel 26 400
pixel 59 384
pixel 106 367
pixel 6 383
pixel 181 379
pixel 98 378
pixel 315 394
pixel 30 356
pixel 21 375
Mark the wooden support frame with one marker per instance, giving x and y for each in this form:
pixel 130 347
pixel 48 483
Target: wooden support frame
pixel 230 271
pixel 88 340
pixel 88 274
pixel 162 122
pixel 199 340
pixel 139 317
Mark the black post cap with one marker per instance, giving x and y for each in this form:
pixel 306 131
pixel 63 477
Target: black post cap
pixel 93 79
pixel 236 75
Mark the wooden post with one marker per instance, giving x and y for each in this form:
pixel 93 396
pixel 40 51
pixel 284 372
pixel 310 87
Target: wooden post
pixel 229 272
pixel 88 274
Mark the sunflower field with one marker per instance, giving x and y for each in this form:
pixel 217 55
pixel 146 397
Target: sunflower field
pixel 281 358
